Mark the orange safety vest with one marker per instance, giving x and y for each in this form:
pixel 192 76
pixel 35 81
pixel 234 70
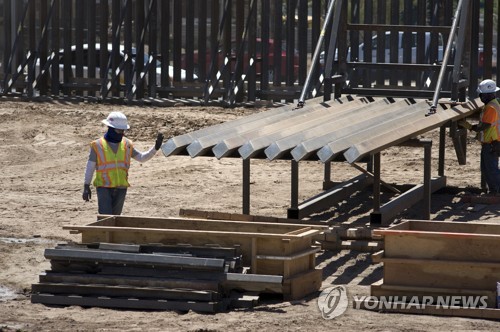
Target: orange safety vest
pixel 112 168
pixel 490 114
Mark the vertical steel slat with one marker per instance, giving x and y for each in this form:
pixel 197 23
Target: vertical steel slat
pixel 91 37
pixel 67 38
pixel 380 74
pixel 188 66
pixel 128 31
pixel 246 186
pixel 276 66
pixel 265 32
pixel 367 42
pixel 103 45
pixel 55 35
pixel 202 39
pixel 294 197
pixel 165 45
pixel 394 41
pixel 153 48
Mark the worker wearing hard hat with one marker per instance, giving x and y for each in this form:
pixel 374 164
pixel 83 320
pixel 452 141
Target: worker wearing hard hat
pixel 488 130
pixel 110 158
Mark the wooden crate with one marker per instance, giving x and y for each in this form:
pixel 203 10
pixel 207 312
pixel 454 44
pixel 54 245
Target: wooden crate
pixel 268 248
pixel 440 258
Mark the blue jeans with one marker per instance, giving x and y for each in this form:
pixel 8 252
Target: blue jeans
pixel 111 200
pixel 489 168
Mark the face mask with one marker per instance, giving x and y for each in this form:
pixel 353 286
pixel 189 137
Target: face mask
pixel 112 136
pixel 486 97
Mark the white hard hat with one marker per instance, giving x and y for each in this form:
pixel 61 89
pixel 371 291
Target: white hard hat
pixel 487 86
pixel 116 120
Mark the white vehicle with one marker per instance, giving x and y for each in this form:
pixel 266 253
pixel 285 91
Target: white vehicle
pixel 121 60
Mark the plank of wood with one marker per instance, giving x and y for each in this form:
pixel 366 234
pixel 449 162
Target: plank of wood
pixel 124 291
pixel 137 281
pixel 134 259
pixel 337 126
pixel 377 256
pixel 302 284
pixel 377 143
pixel 194 233
pixel 204 224
pixel 198 251
pixel 293 256
pixel 117 303
pixel 406 115
pixel 441 273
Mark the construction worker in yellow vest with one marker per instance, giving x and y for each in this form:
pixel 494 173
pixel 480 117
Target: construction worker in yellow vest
pixel 109 158
pixel 488 133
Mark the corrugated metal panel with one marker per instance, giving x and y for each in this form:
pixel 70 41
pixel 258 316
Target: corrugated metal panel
pixel 319 130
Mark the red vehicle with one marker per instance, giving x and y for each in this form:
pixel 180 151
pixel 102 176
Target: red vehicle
pixel 246 59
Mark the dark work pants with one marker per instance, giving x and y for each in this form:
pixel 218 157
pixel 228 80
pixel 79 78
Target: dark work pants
pixel 111 200
pixel 489 168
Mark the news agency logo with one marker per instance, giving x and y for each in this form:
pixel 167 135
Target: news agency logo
pixel 420 302
pixel 333 302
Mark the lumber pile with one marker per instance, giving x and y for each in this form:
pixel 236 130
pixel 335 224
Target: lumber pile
pixel 440 260
pixel 151 277
pixel 351 238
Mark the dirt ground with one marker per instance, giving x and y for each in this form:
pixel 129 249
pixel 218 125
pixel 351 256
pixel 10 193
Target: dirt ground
pixel 43 156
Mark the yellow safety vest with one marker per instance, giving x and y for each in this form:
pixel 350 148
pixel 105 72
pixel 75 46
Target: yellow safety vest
pixel 112 168
pixel 493 132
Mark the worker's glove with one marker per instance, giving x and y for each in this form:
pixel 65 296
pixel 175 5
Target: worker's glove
pixel 474 128
pixel 159 141
pixel 495 148
pixel 87 194
pixel 465 124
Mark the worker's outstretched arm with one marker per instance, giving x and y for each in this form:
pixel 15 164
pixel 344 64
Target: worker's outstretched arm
pixel 145 156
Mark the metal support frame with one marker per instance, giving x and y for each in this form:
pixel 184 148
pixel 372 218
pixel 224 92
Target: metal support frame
pixel 293 212
pixel 327 175
pixel 376 182
pixel 386 213
pixel 246 186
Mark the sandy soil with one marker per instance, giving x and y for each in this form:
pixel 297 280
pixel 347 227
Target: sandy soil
pixel 44 151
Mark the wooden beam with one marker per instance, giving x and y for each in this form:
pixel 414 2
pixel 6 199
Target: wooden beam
pixel 296 255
